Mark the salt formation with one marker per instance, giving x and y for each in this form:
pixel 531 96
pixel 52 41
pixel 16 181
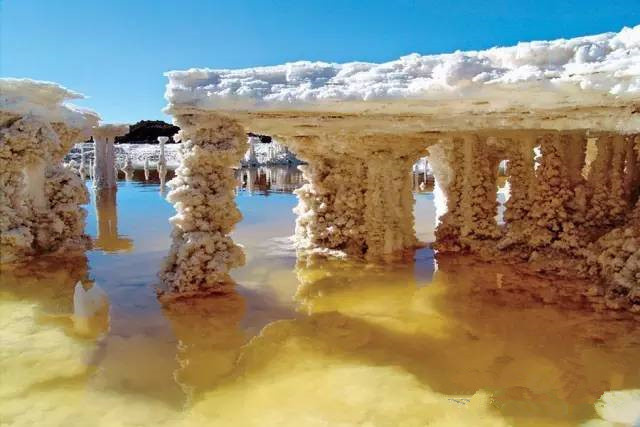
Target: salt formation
pixel 146 169
pixel 162 161
pixel 40 198
pixel 105 170
pixel 562 114
pixel 203 194
pixel 128 169
pixel 250 158
pixel 83 170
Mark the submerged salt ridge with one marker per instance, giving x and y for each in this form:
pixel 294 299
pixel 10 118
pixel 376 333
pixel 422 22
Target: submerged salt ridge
pixel 584 67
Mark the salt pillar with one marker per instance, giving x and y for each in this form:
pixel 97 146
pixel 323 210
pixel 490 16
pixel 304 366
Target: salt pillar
pixel 359 204
pixel 104 171
pixel 250 156
pixel 202 192
pixel 466 168
pixel 128 169
pixel 162 161
pixel 25 144
pixel 146 169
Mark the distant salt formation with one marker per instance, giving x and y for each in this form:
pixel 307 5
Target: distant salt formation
pixel 40 199
pixel 128 169
pixel 250 158
pixel 162 161
pixel 146 169
pixel 105 168
pixel 202 253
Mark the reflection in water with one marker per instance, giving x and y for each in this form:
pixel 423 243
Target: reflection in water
pixel 269 178
pixel 108 238
pixel 90 310
pixel 304 342
pixel 210 338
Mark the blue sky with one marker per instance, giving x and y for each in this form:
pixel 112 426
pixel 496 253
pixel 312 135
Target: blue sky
pixel 115 51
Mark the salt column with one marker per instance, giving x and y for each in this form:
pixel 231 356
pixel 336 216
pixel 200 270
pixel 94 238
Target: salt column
pixel 104 170
pixel 146 169
pixel 250 156
pixel 128 168
pixel 162 161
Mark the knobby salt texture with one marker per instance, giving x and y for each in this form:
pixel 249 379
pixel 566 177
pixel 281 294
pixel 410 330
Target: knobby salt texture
pixel 570 210
pixel 40 198
pixel 357 203
pixel 202 192
pixel 541 72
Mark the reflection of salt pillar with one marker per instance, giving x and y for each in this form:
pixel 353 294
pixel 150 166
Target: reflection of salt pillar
pixel 107 217
pixel 128 168
pixel 162 162
pixel 251 179
pixel 220 338
pixel 104 159
pixel 202 252
pixel 90 310
pixel 146 169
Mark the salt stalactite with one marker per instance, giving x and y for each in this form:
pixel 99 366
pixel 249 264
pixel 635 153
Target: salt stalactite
pixel 162 161
pixel 146 169
pixel 105 169
pixel 128 169
pixel 466 169
pixel 358 206
pixel 608 202
pixel 520 172
pixel 107 238
pixel 202 252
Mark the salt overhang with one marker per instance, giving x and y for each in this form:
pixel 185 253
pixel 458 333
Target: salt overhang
pixel 44 100
pixel 584 83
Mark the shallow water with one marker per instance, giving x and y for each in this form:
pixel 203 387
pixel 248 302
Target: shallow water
pixel 300 342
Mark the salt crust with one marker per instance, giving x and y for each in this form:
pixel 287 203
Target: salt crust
pixel 594 70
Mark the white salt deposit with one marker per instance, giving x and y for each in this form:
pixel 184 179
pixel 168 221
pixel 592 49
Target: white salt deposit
pixel 589 70
pixel 45 100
